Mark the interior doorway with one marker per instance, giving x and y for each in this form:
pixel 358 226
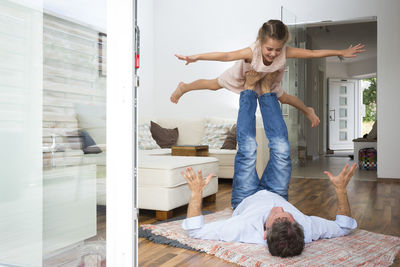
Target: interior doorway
pixel 339 35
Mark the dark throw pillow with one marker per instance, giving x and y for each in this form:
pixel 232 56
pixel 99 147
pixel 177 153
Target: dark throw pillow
pixel 88 144
pixel 230 141
pixel 165 138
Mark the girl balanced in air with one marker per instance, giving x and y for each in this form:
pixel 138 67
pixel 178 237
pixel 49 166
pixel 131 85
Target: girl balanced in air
pixel 267 54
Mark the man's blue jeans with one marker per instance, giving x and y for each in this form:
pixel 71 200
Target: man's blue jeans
pixel 277 173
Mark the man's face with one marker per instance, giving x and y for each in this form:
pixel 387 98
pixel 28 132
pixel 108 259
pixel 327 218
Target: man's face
pixel 276 213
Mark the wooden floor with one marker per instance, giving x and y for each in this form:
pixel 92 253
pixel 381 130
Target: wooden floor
pixel 375 206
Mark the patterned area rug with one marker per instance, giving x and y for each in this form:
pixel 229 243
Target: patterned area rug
pixel 361 248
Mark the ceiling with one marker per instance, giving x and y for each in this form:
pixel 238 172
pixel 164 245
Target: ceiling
pixel 343 35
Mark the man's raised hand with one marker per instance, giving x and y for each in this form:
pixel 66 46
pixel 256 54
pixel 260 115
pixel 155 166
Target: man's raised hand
pixel 195 182
pixel 340 181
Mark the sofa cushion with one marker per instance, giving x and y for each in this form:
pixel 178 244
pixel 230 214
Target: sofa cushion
pixel 92 118
pixel 164 137
pixel 88 144
pixel 165 171
pixel 145 140
pixel 230 140
pixel 190 130
pixel 156 152
pixel 215 133
pixel 226 157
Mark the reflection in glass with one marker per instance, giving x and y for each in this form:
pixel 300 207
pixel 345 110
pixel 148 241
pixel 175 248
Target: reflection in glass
pixel 343 124
pixel 21 203
pixel 342 136
pixel 74 133
pixel 343 90
pixel 343 101
pixel 342 112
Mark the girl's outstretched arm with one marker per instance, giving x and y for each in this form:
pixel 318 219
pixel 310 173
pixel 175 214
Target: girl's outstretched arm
pixel 294 52
pixel 297 103
pixel 244 53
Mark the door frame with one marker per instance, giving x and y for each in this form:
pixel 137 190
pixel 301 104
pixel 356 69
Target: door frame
pixel 122 213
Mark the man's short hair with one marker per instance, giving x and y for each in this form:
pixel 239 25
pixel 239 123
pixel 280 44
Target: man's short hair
pixel 285 239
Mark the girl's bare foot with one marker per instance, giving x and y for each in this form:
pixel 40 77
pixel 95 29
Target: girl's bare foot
pixel 267 82
pixel 179 91
pixel 313 118
pixel 252 77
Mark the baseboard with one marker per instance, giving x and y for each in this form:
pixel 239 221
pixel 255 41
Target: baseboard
pixel 388 180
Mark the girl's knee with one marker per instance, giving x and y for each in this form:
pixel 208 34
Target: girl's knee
pixel 214 84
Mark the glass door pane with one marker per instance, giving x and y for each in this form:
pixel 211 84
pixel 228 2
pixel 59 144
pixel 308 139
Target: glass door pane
pixel 294 84
pixel 20 133
pixel 74 141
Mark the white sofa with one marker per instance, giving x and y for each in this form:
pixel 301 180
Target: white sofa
pixel 161 187
pixel 191 132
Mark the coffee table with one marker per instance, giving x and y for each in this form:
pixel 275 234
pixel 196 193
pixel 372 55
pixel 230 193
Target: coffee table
pixel 190 150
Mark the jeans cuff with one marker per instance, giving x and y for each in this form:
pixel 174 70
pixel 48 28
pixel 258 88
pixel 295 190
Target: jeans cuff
pixel 249 92
pixel 270 94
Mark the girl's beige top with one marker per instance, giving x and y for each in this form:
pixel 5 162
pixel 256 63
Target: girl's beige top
pixel 233 78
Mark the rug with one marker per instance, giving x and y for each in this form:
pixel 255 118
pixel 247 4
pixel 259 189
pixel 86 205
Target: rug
pixel 146 233
pixel 361 248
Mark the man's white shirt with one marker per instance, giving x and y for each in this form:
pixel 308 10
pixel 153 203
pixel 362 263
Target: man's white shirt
pixel 247 222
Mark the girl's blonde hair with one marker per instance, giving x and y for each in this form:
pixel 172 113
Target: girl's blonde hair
pixel 274 29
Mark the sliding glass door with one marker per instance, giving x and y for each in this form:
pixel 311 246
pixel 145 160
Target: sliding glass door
pixel 53 170
pixel 21 184
pixel 53 137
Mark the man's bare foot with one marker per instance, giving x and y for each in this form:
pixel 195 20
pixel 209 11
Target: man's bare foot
pixel 267 82
pixel 312 117
pixel 252 77
pixel 179 91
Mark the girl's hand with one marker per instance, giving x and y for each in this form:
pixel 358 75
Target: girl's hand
pixel 353 50
pixel 312 117
pixel 188 59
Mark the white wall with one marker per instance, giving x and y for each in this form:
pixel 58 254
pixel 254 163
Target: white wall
pixel 362 67
pixel 146 96
pixel 190 26
pixel 351 69
pixel 336 70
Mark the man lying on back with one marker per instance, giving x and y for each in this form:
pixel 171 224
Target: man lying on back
pixel 262 214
